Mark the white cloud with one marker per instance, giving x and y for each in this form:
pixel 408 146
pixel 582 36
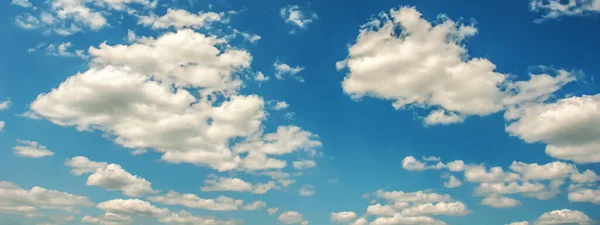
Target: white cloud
pixel 410 163
pixel 564 216
pixel 132 207
pixel 550 171
pixel 186 218
pixel 480 174
pixel 431 158
pixel 179 18
pixel 255 205
pixel 82 165
pixel 226 184
pixel 191 52
pixel 291 217
pixel 31 149
pixel 110 176
pixel 566 126
pixel 280 105
pixel 441 116
pixel 381 210
pixel 107 219
pixel 440 208
pixel 587 176
pixel 293 14
pixel 416 197
pixel 500 202
pixel 399 219
pixel 360 221
pixel 437 74
pixel 283 70
pixel 343 216
pixel 452 182
pixel 22 3
pixel 170 119
pixel 272 211
pixel 137 208
pixel 585 195
pixel 553 9
pixel 14 199
pixel 4 105
pixel 220 203
pixel 307 190
pixel 113 177
pixel 260 77
pixel 304 164
pixel 63 49
pixel 456 165
pixel 2 123
pixel 27 21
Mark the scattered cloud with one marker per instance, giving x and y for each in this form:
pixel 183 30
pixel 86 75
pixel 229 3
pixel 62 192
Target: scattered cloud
pixel 179 18
pixel 237 185
pixel 554 9
pixel 307 190
pixel 31 149
pixel 294 15
pixel 283 70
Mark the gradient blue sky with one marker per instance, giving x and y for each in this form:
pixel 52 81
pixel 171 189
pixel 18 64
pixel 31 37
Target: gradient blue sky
pixel 358 145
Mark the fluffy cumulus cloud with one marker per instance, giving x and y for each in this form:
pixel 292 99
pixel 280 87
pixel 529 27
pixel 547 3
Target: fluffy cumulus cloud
pixel 553 9
pixel 16 200
pixel 438 75
pixel 412 208
pixel 434 74
pixel 343 216
pixel 564 216
pixel 31 149
pixel 568 127
pixel 533 180
pixel 110 177
pixel 163 113
pixel 292 217
pixel 294 15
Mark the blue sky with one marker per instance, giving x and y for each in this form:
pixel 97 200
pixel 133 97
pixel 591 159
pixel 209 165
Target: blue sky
pixel 294 112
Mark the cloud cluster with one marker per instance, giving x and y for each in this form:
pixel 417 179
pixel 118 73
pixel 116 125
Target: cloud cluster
pixel 541 181
pixel 553 9
pixel 237 185
pixel 406 208
pixel 185 103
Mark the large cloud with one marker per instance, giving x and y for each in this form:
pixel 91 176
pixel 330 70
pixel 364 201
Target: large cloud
pixel 564 216
pixel 143 96
pixel 424 65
